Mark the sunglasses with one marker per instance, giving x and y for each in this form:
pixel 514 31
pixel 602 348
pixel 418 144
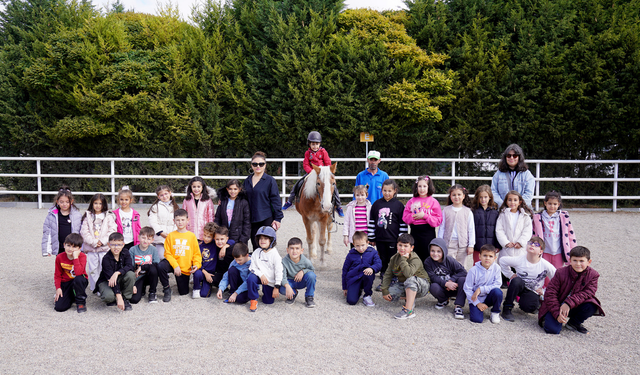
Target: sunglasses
pixel 512 156
pixel 259 164
pixel 536 244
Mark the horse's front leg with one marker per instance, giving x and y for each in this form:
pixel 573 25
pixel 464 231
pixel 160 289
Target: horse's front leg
pixel 322 238
pixel 310 239
pixel 329 248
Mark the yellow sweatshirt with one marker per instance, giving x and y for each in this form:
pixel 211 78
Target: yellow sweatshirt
pixel 182 249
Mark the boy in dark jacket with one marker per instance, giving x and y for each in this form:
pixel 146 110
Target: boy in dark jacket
pixel 359 270
pixel 117 277
pixel 571 295
pixel 447 277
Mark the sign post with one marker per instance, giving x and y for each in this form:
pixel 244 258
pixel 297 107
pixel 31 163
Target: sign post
pixel 366 138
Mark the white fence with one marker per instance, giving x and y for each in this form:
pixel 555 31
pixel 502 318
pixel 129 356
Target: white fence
pixel 490 164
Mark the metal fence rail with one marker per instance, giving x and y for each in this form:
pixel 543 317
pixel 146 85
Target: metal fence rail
pixel 113 176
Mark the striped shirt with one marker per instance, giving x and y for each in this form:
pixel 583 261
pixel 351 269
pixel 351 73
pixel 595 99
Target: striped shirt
pixel 361 218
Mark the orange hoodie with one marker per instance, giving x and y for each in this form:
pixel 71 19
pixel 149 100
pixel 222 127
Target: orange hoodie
pixel 182 249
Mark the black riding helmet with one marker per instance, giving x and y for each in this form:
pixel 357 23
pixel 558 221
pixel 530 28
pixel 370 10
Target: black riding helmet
pixel 314 136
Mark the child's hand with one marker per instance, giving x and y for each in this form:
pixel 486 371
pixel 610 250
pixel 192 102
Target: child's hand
pixel 563 317
pixel 58 294
pixel 298 277
pixel 388 297
pixel 469 250
pixel 372 243
pixel 475 295
pixel 290 293
pixel 219 294
pixel 344 292
pixel 76 254
pixel 275 225
pixel 368 271
pixel 193 269
pixel 163 235
pixel 517 245
pixel 232 298
pixel 540 291
pixel 223 251
pixel 114 279
pixel 510 244
pixel 207 276
pixel 418 216
pixel 264 280
pixel 346 241
pixel 276 291
pixel 450 285
pixel 177 271
pixel 120 302
pixel 481 306
pixel 99 243
pixel 138 269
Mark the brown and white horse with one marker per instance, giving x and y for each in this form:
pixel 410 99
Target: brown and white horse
pixel 315 207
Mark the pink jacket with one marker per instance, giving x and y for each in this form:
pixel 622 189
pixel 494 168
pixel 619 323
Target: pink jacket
pixel 199 216
pixel 349 227
pixel 91 240
pixel 428 205
pixel 567 235
pixel 135 224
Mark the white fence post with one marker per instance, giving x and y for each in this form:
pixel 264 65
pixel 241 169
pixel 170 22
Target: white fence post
pixel 615 187
pixel 197 168
pixel 38 171
pixel 453 173
pixel 284 181
pixel 113 184
pixel 537 186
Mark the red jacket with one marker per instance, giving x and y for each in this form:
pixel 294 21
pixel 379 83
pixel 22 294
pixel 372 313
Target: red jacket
pixel 572 288
pixel 320 158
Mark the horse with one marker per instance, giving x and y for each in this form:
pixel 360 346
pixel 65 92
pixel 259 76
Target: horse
pixel 315 206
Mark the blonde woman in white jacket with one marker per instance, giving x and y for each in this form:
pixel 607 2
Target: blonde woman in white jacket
pixel 514 227
pixel 161 216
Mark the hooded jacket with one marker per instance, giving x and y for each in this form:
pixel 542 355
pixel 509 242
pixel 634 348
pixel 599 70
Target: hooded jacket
pixel 485 222
pixel 50 244
pixel 567 235
pixel 201 214
pixel 161 220
pixel 355 264
pixel 108 226
pixel 320 158
pixel 349 227
pixel 240 225
pixel 448 269
pixel 135 224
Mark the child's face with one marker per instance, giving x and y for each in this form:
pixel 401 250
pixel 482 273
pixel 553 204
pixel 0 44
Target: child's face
pixel 457 196
pixel 513 201
pixel 181 222
pixel 405 249
pixel 578 264
pixel 221 239
pixel 484 199
pixel 233 191
pixel 69 249
pixel 294 252
pixel 145 241
pixel 196 189
pixel 124 201
pixel 164 196
pixel 436 253
pixel 264 242
pixel 487 258
pixel 242 260
pixel 116 246
pixel 64 204
pixel 360 245
pixel 97 206
pixel 533 247
pixel 361 197
pixel 388 192
pixel 423 188
pixel 552 205
pixel 207 237
pixel 314 146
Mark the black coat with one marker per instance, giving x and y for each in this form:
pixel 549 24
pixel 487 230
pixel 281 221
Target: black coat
pixel 485 224
pixel 240 226
pixel 110 266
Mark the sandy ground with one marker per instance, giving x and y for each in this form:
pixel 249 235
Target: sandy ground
pixel 198 336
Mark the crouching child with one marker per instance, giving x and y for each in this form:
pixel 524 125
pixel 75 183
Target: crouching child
pixel 447 277
pixel 70 275
pixel 482 286
pixel 236 277
pixel 117 277
pixel 297 274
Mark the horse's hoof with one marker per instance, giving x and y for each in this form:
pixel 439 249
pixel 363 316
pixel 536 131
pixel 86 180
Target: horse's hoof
pixel 314 256
pixel 328 251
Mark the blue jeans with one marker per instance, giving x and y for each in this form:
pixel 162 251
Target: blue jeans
pixel 493 300
pixel 577 316
pixel 353 291
pixel 308 281
pixel 253 285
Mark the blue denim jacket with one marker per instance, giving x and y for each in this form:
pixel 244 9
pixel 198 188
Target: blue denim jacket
pixel 524 183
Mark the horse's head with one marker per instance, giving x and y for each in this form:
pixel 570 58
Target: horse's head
pixel 325 184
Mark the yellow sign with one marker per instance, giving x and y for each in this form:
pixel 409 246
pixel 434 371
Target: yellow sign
pixel 366 137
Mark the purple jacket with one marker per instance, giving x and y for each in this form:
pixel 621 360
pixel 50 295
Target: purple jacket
pixel 572 288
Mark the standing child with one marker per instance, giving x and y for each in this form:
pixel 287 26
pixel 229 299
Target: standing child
pixel 199 205
pixel 117 278
pixel 182 256
pixel 161 216
pixel 236 276
pixel 145 261
pixel 447 277
pixel 359 270
pixel 97 224
pixel 413 280
pixel 266 269
pixel 233 212
pixel 358 212
pixel 386 224
pixel 297 274
pixel 70 276
pixel 127 219
pixel 315 155
pixel 63 219
pixel 554 226
pixel 457 227
pixel 423 214
pixel 482 286
pixel 485 217
pixel 570 297
pixel 513 228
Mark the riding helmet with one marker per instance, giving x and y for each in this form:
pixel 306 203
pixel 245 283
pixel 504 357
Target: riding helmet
pixel 314 136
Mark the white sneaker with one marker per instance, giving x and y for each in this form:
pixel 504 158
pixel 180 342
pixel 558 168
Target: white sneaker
pixel 368 301
pixel 495 318
pixel 196 294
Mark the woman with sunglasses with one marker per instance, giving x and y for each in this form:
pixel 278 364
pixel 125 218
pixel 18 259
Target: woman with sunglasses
pixel 513 174
pixel 264 197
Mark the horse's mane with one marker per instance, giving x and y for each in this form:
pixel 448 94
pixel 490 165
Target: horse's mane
pixel 312 180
